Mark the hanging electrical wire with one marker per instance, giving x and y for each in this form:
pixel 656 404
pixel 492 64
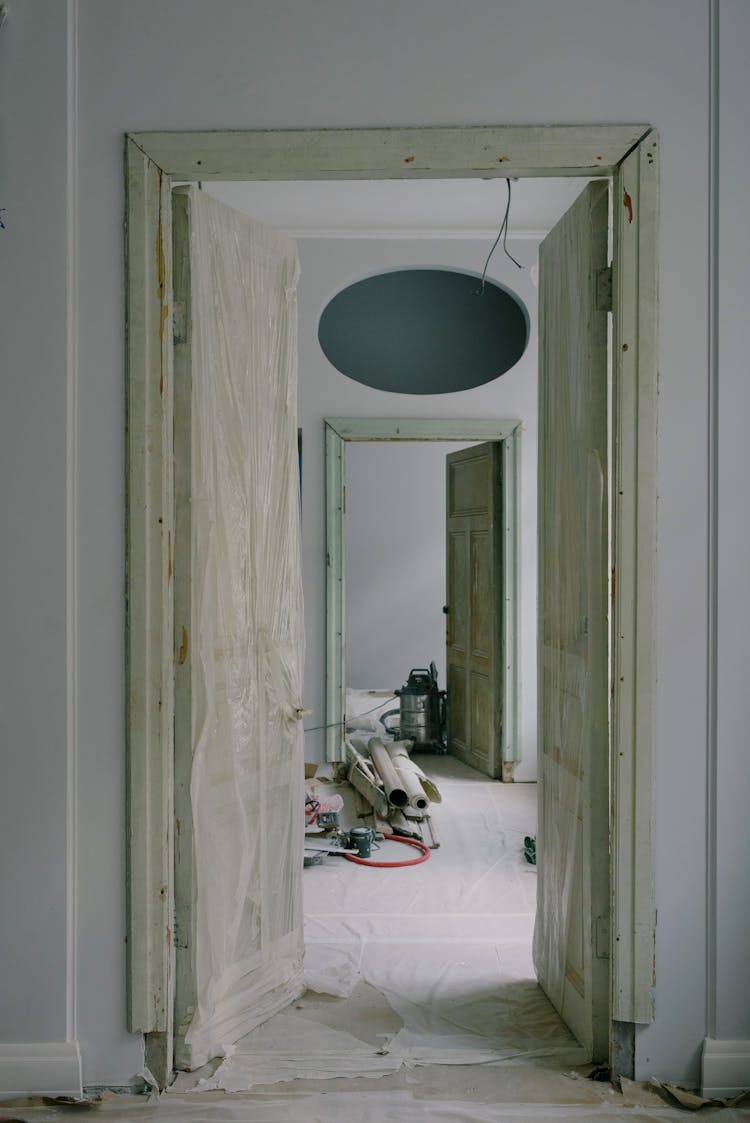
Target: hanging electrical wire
pixel 333 724
pixel 502 233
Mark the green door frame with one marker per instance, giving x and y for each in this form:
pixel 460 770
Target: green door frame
pixel 340 430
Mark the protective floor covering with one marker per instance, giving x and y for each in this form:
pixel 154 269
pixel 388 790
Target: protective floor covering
pixel 399 1106
pixel 446 943
pixel 435 962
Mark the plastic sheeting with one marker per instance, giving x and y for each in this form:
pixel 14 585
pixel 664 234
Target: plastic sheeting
pixel 447 944
pixel 247 782
pixel 399 1106
pixel 364 709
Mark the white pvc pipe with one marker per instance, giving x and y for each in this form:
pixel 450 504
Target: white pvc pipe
pixel 394 788
pixel 405 766
pixel 410 781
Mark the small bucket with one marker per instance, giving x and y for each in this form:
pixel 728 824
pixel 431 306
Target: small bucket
pixel 362 838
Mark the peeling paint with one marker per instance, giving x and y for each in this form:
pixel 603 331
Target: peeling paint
pixel 409 160
pixel 183 646
pixel 169 556
pixel 628 204
pixel 503 159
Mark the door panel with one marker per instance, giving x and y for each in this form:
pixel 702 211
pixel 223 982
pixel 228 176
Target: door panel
pixel 480 594
pixel 474 602
pixel 458 614
pixel 482 725
pixel 573 836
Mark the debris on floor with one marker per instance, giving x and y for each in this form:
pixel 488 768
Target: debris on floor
pixel 394 792
pixel 445 951
pixel 393 795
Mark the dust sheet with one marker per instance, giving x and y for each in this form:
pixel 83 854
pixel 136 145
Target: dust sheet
pixel 447 944
pixel 246 639
pixel 369 1107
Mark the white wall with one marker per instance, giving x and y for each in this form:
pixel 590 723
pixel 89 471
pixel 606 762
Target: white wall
pixel 34 697
pixel 165 64
pixel 395 560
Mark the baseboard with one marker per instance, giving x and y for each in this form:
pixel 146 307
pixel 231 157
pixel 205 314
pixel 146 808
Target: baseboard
pixel 45 1068
pixel 725 1068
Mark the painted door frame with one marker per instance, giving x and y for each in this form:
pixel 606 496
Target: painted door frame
pixel 627 153
pixel 338 432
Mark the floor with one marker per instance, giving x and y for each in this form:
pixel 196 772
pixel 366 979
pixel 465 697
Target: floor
pixel 424 1004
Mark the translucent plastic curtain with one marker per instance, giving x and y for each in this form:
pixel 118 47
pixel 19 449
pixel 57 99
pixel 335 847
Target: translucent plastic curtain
pixel 247 774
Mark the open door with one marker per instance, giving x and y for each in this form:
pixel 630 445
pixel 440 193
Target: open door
pixel 571 938
pixel 238 628
pixel 474 603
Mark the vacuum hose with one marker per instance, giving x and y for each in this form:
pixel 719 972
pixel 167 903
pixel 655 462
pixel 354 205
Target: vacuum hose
pixel 424 855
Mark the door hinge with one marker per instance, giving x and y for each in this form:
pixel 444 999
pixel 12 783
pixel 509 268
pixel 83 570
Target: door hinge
pixel 601 937
pixel 179 321
pixel 604 290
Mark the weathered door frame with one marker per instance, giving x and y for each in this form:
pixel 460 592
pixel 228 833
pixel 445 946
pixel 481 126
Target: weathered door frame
pixel 338 432
pixel 627 153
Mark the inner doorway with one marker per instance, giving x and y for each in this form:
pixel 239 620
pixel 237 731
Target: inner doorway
pixel 506 435
pixel 424 534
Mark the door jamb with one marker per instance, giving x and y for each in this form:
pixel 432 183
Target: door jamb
pixel 339 431
pixel 630 154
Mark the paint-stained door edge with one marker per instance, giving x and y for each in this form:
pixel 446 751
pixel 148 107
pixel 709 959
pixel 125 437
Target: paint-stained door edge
pixel 149 620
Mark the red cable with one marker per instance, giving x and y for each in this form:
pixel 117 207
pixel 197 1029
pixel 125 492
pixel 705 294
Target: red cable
pixel 392 865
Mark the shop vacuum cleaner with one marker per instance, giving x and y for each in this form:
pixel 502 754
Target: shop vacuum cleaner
pixel 421 712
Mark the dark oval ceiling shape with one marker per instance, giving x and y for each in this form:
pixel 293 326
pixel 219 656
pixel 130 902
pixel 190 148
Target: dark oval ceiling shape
pixel 423 331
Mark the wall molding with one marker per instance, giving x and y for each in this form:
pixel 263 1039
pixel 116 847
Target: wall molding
pixel 725 1068
pixel 71 521
pixel 44 1068
pixel 712 528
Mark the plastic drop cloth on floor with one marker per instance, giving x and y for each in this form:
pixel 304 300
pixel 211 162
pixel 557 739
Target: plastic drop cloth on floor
pixel 446 943
pixel 407 1105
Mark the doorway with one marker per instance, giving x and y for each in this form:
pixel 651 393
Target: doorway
pixel 628 153
pixel 340 432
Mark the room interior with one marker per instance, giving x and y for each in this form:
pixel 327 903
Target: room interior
pixel 100 69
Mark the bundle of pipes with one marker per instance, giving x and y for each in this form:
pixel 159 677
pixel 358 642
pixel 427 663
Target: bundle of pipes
pixel 389 778
pixel 420 789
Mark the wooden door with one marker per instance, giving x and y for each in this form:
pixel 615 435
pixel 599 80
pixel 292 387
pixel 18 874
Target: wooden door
pixel 474 606
pixel 571 939
pixel 239 785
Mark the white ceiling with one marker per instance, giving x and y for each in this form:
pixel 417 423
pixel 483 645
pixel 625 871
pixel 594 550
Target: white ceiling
pixel 402 208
